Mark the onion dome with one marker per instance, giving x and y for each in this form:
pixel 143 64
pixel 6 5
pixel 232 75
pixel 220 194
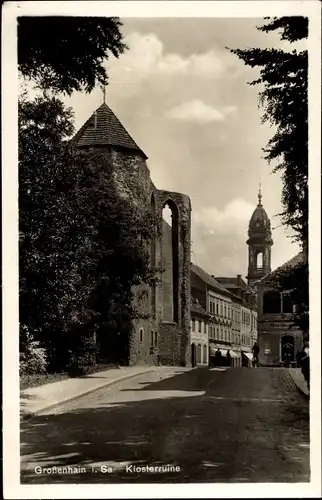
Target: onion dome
pixel 259 221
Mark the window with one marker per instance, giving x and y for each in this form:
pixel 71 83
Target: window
pixel 155 339
pixel 220 309
pixel 272 302
pixel 287 303
pixel 141 335
pixel 225 311
pixel 151 338
pixel 199 326
pixel 217 308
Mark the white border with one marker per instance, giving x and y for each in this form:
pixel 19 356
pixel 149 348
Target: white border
pixel 12 488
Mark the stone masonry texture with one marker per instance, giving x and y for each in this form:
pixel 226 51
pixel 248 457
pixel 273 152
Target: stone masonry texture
pixel 164 336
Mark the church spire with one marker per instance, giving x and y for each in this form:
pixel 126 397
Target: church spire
pixel 260 194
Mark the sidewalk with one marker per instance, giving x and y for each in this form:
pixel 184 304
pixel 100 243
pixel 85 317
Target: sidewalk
pixel 299 380
pixel 37 399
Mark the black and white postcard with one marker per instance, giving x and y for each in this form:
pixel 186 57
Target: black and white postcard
pixel 161 262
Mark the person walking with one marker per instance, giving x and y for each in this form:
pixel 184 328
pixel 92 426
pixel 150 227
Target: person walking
pixel 218 357
pixel 255 351
pixel 305 366
pixel 228 356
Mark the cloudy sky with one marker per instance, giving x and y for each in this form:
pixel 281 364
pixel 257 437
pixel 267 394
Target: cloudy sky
pixel 184 99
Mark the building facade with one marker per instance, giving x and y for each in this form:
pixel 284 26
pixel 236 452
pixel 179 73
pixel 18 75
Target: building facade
pixel 164 336
pixel 278 339
pixel 199 329
pixel 217 301
pixel 244 317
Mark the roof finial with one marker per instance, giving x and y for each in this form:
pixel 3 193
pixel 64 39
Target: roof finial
pixel 104 93
pixel 260 194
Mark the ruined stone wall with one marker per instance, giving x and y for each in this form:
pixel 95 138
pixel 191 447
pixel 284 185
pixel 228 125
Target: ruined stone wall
pixel 181 325
pixel 132 178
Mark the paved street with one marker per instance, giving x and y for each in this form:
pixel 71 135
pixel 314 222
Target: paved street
pixel 238 425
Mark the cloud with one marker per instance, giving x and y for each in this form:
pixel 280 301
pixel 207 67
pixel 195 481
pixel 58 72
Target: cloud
pixel 199 112
pixel 146 55
pixel 195 111
pixel 234 217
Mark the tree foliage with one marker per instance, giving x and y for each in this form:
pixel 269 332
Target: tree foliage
pixel 64 53
pixel 284 77
pixel 80 255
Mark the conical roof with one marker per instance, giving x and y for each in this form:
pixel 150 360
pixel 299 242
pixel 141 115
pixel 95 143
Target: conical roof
pixel 103 128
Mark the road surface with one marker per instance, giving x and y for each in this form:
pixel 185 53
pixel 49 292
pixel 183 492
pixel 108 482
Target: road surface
pixel 203 425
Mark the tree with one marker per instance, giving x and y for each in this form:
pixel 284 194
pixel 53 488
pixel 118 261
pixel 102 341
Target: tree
pixel 284 76
pixel 64 53
pixel 80 256
pixel 294 279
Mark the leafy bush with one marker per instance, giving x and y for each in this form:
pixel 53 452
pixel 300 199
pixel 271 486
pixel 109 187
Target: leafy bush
pixel 83 358
pixel 33 358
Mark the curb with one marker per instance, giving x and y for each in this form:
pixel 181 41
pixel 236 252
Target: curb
pixel 306 396
pixel 27 416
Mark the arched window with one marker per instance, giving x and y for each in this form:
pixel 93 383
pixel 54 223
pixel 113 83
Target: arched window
pixel 272 302
pixel 199 353
pixel 259 260
pixel 170 261
pixel 204 355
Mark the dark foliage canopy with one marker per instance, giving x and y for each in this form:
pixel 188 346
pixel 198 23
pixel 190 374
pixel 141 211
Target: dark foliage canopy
pixel 67 53
pixel 80 255
pixel 284 79
pixel 284 76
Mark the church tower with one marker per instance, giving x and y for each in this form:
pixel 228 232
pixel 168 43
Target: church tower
pixel 259 243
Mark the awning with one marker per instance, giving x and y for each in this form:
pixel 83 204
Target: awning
pixel 223 352
pixel 248 355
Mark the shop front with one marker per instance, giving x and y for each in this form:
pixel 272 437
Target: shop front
pixel 221 356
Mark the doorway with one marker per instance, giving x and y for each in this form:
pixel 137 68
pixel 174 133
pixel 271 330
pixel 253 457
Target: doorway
pixel 193 355
pixel 287 348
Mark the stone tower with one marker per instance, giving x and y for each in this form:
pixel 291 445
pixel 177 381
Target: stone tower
pixel 162 332
pixel 259 243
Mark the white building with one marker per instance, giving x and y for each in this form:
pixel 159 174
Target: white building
pixel 199 340
pixel 217 301
pixel 244 319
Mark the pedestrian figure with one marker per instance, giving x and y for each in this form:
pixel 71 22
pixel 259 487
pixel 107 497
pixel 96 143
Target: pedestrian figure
pixel 228 358
pixel 218 357
pixel 305 366
pixel 255 351
pixel 299 356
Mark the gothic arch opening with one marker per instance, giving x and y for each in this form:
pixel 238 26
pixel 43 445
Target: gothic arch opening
pixel 170 261
pixel 153 258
